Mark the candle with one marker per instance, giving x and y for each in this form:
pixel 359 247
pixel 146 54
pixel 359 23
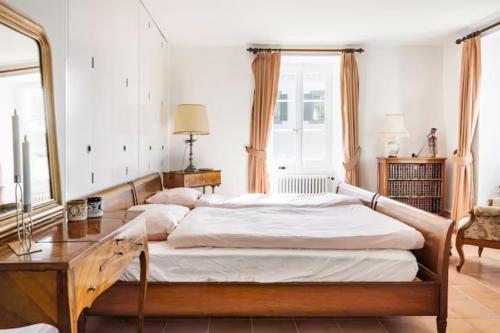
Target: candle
pixel 16 147
pixel 26 176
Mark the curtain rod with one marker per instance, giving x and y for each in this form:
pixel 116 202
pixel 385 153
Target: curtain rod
pixel 255 50
pixel 477 33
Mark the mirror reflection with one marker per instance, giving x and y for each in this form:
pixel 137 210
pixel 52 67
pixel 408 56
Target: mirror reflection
pixel 21 92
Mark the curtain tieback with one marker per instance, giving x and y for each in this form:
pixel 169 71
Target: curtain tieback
pixel 463 160
pixel 351 164
pixel 257 153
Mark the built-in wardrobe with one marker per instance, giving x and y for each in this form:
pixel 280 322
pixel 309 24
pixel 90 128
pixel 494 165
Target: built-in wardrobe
pixel 117 94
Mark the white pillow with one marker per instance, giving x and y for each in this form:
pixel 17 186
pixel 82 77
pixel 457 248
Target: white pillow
pixel 161 220
pixel 183 196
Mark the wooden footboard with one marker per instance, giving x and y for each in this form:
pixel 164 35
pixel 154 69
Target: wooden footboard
pixel 426 296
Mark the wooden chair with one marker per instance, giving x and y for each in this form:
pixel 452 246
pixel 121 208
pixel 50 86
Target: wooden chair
pixel 482 229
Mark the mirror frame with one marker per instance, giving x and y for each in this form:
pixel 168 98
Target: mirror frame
pixel 45 211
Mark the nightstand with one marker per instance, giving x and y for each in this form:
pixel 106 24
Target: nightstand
pixel 202 179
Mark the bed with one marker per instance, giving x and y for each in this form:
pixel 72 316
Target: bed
pixel 274 294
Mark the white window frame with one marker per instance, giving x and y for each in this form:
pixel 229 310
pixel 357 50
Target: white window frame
pixel 298 65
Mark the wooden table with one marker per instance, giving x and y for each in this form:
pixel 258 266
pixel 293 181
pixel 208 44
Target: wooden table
pixel 78 262
pixel 202 179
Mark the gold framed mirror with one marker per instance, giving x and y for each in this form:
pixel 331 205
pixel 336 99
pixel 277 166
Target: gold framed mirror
pixel 26 85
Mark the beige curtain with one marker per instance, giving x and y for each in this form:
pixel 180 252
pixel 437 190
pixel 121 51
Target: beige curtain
pixel 349 95
pixel 470 78
pixel 266 68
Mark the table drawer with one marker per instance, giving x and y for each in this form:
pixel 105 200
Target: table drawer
pixel 99 270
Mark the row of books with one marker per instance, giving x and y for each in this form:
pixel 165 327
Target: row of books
pixel 410 171
pixel 411 188
pixel 430 205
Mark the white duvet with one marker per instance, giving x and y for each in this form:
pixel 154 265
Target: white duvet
pixel 342 227
pixel 250 200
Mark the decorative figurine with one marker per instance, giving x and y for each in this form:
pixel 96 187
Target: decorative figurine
pixel 431 142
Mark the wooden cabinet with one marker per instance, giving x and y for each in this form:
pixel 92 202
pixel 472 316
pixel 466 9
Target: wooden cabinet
pixel 419 182
pixel 192 179
pixel 78 262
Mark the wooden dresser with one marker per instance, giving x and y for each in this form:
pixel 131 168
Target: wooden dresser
pixel 202 179
pixel 78 262
pixel 418 182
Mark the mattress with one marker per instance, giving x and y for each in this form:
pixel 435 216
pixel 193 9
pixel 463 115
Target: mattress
pixel 250 200
pixel 343 227
pixel 168 264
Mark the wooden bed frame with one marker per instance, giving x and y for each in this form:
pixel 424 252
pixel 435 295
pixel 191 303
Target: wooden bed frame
pixel 425 296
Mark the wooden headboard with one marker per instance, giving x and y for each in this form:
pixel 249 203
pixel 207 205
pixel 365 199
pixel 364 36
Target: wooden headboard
pixel 367 197
pixel 145 187
pixel 117 198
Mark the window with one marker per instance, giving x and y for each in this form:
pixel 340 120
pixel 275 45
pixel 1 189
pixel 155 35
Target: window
pixel 303 122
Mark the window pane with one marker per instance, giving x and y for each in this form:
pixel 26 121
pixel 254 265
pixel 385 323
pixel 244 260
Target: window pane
pixel 314 113
pixel 284 145
pixel 314 145
pixel 314 99
pixel 284 116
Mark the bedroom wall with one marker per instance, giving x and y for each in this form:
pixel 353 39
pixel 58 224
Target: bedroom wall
pixel 489 120
pixel 220 78
pixel 405 79
pixel 393 79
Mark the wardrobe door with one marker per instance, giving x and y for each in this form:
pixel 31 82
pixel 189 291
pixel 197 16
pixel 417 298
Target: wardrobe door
pixel 82 96
pixel 146 74
pixel 125 85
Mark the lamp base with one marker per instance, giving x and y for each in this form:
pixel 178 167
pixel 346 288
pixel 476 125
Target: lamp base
pixel 21 249
pixel 190 169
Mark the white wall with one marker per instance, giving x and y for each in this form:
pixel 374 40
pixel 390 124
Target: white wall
pixel 221 78
pixel 489 120
pixel 405 79
pixel 52 16
pixel 393 79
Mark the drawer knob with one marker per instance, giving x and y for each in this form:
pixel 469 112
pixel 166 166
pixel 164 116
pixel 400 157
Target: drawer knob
pixel 139 243
pixel 119 253
pixel 119 240
pixel 92 289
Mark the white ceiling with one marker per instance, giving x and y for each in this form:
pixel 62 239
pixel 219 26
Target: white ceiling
pixel 317 22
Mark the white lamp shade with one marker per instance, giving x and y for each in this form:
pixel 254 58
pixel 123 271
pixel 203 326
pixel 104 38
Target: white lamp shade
pixel 191 119
pixel 394 126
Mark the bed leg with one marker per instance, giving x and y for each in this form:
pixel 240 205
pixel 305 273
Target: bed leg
pixel 441 324
pixel 479 251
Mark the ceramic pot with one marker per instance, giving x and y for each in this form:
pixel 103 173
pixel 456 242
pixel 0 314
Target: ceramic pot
pixel 77 210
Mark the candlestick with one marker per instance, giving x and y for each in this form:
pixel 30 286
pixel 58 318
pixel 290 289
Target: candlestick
pixel 26 176
pixel 16 148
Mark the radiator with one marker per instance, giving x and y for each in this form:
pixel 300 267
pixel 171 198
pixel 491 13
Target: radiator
pixel 304 184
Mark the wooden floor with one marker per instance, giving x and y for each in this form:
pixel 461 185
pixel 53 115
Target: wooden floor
pixel 474 306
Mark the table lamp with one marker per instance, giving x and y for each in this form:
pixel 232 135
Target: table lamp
pixel 394 130
pixel 191 119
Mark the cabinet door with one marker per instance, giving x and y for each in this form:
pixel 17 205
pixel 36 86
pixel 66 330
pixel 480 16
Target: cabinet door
pixel 146 70
pixel 82 96
pixel 125 87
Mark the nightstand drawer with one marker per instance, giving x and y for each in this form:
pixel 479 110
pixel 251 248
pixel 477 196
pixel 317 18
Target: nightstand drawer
pixel 202 179
pixel 192 179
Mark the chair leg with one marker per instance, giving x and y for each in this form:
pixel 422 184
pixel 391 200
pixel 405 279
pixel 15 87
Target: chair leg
pixel 479 251
pixel 459 246
pixel 441 324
